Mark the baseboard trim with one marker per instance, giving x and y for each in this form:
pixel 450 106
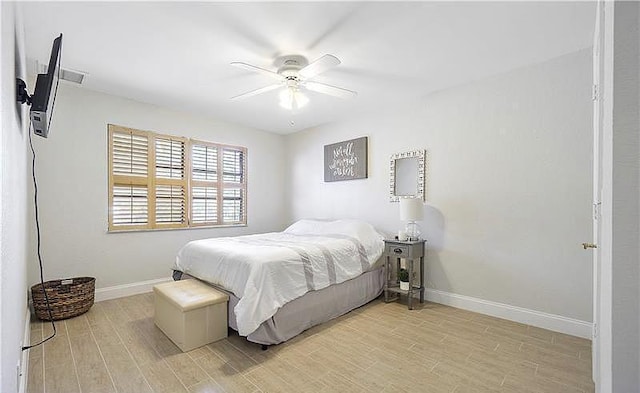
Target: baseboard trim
pixel 24 359
pixel 134 288
pixel 557 323
pixel 540 319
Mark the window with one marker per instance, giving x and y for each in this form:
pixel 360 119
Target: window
pixel 217 200
pixel 162 181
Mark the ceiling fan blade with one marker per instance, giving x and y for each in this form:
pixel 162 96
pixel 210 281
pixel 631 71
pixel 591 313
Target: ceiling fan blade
pixel 330 90
pixel 255 92
pixel 319 66
pixel 259 70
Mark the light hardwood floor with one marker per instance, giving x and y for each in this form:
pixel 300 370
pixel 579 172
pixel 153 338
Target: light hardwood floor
pixel 380 347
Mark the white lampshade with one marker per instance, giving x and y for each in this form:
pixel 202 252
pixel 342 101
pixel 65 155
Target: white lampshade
pixel 411 209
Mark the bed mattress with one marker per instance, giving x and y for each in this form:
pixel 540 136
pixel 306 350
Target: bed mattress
pixel 267 271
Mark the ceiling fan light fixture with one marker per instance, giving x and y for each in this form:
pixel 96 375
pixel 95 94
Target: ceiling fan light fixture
pixel 291 98
pixel 294 72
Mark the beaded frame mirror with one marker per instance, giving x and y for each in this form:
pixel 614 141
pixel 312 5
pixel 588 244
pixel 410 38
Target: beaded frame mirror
pixel 407 175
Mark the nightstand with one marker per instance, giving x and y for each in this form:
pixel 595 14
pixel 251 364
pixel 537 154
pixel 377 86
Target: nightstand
pixel 409 250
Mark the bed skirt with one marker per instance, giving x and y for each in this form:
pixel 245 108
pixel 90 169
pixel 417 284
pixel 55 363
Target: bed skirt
pixel 311 309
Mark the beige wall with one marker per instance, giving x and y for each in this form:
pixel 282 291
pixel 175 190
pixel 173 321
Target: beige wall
pixel 13 200
pixel 72 180
pixel 508 188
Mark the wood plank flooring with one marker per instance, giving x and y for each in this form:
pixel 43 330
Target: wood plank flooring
pixel 115 347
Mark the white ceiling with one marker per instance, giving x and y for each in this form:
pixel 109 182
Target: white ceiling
pixel 177 55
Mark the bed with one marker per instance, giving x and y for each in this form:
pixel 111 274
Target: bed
pixel 282 283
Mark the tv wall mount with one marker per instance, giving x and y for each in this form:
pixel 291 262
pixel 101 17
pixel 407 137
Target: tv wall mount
pixel 22 95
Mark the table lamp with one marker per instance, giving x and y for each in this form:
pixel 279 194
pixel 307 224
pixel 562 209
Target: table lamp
pixel 411 210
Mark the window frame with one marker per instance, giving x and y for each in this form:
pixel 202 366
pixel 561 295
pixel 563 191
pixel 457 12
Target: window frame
pixel 151 181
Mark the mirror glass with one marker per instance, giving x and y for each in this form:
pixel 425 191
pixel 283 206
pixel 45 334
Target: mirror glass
pixel 407 175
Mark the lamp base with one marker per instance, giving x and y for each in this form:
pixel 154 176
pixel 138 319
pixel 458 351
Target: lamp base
pixel 413 230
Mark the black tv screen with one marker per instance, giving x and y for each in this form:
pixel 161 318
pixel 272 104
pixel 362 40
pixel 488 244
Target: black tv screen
pixel 43 95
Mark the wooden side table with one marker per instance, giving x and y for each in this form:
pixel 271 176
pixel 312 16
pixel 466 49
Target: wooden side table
pixel 409 250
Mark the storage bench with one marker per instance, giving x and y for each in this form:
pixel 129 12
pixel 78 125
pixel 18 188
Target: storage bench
pixel 190 313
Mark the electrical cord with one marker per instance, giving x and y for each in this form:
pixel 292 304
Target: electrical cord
pixel 35 203
pixel 35 199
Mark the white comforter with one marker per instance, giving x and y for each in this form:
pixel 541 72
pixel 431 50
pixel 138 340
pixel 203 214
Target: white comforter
pixel 267 271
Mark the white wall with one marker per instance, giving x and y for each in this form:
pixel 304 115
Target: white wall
pixel 508 188
pixel 13 239
pixel 626 198
pixel 72 176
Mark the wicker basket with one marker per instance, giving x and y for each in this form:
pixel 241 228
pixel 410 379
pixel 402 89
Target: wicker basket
pixel 67 298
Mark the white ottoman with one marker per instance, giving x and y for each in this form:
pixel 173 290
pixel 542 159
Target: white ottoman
pixel 190 313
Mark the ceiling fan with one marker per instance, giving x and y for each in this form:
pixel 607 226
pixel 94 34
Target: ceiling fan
pixel 293 74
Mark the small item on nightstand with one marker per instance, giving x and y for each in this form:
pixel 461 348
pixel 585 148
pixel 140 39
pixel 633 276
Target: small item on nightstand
pixel 403 276
pixel 402 236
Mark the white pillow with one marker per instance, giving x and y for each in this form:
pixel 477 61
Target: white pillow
pixel 361 230
pixel 306 227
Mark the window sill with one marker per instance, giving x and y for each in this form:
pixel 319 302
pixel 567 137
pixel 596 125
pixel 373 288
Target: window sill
pixel 175 229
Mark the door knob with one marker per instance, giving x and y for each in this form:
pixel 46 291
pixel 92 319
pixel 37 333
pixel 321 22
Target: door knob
pixel 589 245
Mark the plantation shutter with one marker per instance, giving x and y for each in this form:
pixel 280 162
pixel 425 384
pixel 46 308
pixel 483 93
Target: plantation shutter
pixel 169 158
pixel 232 165
pixel 129 155
pixel 233 206
pixel 234 186
pixel 204 183
pixel 218 184
pixel 130 205
pixel 170 182
pixel 161 181
pixel 128 179
pixel 204 205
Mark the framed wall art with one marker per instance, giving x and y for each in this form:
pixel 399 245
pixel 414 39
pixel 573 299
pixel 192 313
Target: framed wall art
pixel 346 160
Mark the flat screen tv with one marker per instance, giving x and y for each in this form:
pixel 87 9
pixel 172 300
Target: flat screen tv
pixel 44 93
